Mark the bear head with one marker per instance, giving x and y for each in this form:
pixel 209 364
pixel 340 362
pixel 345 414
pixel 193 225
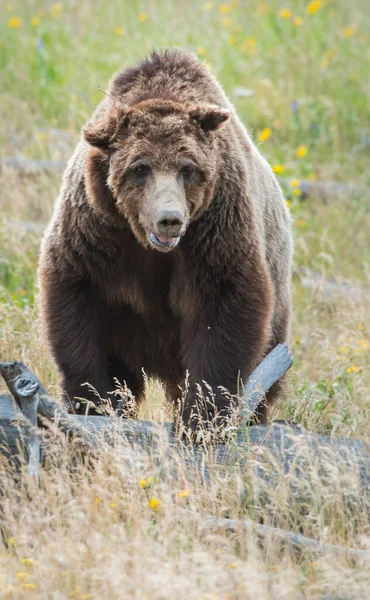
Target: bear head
pixel 154 166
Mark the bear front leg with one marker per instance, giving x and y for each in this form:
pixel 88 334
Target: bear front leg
pixel 72 324
pixel 225 335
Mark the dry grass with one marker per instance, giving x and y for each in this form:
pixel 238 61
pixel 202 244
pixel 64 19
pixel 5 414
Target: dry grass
pixel 123 529
pixel 89 532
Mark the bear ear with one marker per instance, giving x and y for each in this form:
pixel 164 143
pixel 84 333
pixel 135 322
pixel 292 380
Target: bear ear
pixel 102 133
pixel 98 134
pixel 209 117
pixel 96 176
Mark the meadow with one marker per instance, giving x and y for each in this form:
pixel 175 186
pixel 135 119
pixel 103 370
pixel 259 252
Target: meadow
pixel 298 74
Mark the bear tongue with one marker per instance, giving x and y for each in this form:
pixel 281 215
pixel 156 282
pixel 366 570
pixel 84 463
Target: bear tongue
pixel 165 240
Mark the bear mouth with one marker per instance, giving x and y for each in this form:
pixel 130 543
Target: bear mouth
pixel 163 243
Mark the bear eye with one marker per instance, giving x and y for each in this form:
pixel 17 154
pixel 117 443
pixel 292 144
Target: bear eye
pixel 187 170
pixel 190 175
pixel 141 169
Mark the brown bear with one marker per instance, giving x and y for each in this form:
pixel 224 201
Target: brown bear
pixel 170 246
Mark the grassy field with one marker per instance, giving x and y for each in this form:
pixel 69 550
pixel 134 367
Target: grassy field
pixel 298 73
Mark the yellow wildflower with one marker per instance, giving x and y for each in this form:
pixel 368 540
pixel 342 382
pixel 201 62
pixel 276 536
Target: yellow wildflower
pixel 264 134
pixel 12 541
pixel 232 40
pixel 226 22
pixel 14 23
pixel 285 13
pixel 288 203
pixel 352 369
pixel 118 30
pixel 75 590
pixel 297 192
pixel 232 566
pixel 348 32
pixel 278 169
pixel 21 575
pixel 56 9
pixel 301 151
pixel 298 21
pixel 313 7
pixel 29 562
pixel 154 504
pixel 201 50
pixel 225 8
pixel 143 17
pixel 299 222
pixel 97 500
pixel 364 344
pixel 112 505
pixel 184 494
pixel 29 586
pixel 43 135
pixel 145 483
pixel 208 5
pixel 35 21
pixel 295 183
pixel 249 44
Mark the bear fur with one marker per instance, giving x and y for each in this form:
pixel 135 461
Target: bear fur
pixel 116 296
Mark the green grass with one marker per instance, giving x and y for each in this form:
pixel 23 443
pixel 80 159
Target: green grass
pixel 51 72
pixel 308 85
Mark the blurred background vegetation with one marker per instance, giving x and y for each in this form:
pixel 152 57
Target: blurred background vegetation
pixel 298 74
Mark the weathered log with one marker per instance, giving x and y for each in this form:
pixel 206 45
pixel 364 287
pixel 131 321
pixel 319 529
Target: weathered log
pixel 331 289
pixel 327 190
pixel 17 376
pixel 27 166
pixel 281 452
pixel 274 451
pixel 295 541
pixel 272 368
pixel 28 394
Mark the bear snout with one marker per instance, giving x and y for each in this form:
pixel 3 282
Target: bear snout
pixel 169 222
pixel 169 225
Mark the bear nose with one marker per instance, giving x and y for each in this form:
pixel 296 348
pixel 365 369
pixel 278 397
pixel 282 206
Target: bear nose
pixel 170 222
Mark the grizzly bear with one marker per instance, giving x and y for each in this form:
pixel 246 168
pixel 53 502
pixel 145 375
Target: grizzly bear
pixel 169 251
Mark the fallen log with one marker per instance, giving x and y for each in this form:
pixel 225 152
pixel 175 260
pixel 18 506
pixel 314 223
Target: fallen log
pixel 295 541
pixel 326 190
pixel 29 400
pixel 27 166
pixel 280 452
pixel 17 377
pixel 331 289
